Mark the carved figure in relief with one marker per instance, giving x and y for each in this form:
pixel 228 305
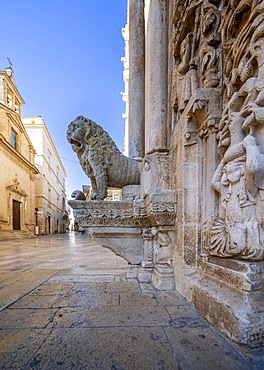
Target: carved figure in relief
pixel 210 61
pixel 162 247
pixel 239 180
pixel 100 158
pixel 239 234
pixel 187 80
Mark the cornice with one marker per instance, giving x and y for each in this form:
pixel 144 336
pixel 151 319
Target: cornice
pixel 16 119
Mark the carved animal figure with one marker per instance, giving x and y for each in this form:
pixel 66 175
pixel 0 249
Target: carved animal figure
pixel 78 195
pixel 100 158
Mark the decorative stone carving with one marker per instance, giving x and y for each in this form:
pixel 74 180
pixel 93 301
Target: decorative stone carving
pixel 217 144
pixel 124 214
pixel 16 188
pixel 239 178
pixel 162 247
pixel 126 227
pixel 210 59
pixel 148 246
pixel 186 78
pixel 100 158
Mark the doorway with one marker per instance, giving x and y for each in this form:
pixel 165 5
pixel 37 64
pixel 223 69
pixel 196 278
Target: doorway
pixel 48 224
pixel 16 215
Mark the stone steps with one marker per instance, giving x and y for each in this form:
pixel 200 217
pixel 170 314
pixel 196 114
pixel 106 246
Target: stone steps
pixel 15 234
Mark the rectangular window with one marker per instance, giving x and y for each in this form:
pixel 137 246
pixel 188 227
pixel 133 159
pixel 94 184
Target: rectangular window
pixel 14 139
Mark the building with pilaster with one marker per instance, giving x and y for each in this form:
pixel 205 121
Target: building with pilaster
pixel 18 171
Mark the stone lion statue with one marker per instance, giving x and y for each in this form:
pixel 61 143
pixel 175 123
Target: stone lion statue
pixel 100 158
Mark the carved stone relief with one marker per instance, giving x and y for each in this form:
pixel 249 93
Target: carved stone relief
pixel 16 188
pixel 211 53
pixel 215 41
pixel 197 50
pixel 239 178
pixel 162 247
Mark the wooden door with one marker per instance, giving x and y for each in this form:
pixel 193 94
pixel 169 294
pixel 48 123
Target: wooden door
pixel 16 215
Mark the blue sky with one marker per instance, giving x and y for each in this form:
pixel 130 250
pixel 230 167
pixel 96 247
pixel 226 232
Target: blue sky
pixel 66 58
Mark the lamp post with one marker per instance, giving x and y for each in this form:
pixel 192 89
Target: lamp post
pixel 36 214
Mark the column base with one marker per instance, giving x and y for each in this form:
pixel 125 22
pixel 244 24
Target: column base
pixel 145 272
pixel 163 277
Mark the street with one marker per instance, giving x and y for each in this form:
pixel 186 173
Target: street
pixel 66 304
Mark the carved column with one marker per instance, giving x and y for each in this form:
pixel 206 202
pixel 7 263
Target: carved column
pixel 156 75
pixel 146 265
pixel 136 110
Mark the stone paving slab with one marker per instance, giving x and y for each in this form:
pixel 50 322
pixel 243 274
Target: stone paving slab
pixel 29 318
pixel 105 348
pixel 70 317
pixel 15 286
pixel 127 316
pixel 17 346
pixel 200 348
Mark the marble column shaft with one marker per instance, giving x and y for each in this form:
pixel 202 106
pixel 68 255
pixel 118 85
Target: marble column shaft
pixel 156 76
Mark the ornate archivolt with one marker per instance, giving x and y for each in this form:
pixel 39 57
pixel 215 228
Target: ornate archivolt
pixel 197 50
pixel 219 45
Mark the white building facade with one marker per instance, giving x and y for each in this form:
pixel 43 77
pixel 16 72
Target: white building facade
pixel 51 215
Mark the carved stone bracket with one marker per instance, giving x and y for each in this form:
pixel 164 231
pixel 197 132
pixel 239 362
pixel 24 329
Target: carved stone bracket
pixel 135 230
pixel 157 210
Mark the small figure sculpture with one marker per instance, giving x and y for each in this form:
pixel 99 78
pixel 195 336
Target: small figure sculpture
pixel 100 158
pixel 78 195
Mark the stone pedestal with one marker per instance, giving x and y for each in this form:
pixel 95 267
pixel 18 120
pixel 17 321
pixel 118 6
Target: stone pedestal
pixel 145 272
pixel 163 277
pixel 133 229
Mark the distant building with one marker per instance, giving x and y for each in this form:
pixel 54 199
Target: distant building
pixel 51 214
pixel 113 194
pixel 17 180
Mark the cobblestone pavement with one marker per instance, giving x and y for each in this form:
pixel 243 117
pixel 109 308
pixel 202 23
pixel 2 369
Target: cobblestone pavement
pixel 65 303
